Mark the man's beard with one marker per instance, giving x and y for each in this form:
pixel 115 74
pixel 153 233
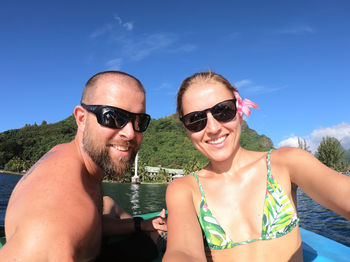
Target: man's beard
pixel 100 155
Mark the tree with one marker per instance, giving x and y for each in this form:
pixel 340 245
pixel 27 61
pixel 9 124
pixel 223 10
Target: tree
pixel 347 156
pixel 161 176
pixel 165 143
pixel 141 170
pixel 192 166
pixel 331 153
pixel 17 165
pixel 303 145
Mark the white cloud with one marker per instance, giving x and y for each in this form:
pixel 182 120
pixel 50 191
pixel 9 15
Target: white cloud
pixel 162 87
pixel 101 31
pixel 292 141
pixel 298 30
pixel 114 64
pixel 119 37
pixel 340 132
pixel 143 46
pixel 110 27
pixel 128 26
pixel 186 48
pixel 250 87
pixel 242 83
pixel 118 19
pixel 138 47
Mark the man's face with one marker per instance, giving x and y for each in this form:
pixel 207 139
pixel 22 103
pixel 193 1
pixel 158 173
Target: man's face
pixel 99 151
pixel 114 150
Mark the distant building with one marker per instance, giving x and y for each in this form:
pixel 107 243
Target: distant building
pixel 152 172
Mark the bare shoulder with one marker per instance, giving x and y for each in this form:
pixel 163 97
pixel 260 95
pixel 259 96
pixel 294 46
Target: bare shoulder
pixel 180 186
pixel 288 150
pixel 62 155
pixel 303 168
pixel 52 196
pixel 182 192
pixel 291 156
pixel 48 214
pixel 52 175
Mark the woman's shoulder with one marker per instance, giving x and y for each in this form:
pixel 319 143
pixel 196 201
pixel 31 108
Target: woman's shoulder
pixel 182 190
pixel 288 153
pixel 291 157
pixel 282 151
pixel 182 183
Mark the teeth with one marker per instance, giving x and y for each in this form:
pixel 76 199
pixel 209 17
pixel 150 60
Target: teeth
pixel 122 148
pixel 217 141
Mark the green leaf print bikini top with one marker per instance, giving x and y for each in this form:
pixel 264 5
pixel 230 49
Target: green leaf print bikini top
pixel 279 216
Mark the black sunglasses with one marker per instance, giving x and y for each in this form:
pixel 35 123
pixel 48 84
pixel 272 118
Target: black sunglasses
pixel 117 118
pixel 224 111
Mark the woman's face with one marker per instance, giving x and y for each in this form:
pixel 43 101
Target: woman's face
pixel 218 140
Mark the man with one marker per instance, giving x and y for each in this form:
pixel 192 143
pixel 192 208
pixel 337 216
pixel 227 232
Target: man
pixel 55 211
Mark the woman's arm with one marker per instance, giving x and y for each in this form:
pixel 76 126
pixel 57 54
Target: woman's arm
pixel 185 241
pixel 324 185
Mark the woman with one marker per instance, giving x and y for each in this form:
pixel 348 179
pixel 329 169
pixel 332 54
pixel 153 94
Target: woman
pixel 241 202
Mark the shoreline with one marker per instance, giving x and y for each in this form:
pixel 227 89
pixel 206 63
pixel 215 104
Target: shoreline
pixel 10 172
pixel 141 183
pixel 103 181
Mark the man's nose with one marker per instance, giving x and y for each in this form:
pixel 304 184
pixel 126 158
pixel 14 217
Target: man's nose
pixel 128 131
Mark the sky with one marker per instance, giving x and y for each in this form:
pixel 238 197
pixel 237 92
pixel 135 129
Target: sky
pixel 292 58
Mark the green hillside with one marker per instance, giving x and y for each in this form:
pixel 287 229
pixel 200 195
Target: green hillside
pixel 165 143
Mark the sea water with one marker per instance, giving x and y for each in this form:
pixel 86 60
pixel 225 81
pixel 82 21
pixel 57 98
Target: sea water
pixel 147 198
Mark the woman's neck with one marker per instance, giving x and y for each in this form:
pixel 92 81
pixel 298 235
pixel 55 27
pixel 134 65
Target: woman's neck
pixel 229 166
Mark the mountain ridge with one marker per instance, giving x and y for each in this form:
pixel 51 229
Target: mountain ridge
pixel 164 143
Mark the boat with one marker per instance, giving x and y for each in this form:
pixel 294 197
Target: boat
pixel 321 249
pixel 316 248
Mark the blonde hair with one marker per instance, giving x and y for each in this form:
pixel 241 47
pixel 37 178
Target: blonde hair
pixel 200 77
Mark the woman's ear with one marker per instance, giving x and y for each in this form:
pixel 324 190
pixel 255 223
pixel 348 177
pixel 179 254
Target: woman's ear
pixel 80 117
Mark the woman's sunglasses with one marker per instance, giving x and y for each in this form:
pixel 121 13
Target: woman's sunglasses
pixel 117 118
pixel 224 111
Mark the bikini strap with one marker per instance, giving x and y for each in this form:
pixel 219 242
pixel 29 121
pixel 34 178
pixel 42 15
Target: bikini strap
pixel 268 161
pixel 199 184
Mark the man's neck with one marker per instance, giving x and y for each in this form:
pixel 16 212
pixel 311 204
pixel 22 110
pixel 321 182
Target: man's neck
pixel 94 172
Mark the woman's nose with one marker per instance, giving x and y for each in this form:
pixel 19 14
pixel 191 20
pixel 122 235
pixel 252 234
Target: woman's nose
pixel 213 125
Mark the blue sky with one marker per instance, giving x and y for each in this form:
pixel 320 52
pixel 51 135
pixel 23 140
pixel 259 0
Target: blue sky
pixel 290 57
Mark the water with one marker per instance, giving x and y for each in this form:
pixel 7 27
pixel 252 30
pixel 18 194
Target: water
pixel 137 199
pixel 146 198
pixel 322 221
pixel 7 183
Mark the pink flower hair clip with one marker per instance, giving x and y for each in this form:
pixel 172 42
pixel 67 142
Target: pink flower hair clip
pixel 244 105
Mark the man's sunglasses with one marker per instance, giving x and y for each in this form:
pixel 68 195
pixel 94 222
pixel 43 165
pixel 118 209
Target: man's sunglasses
pixel 224 111
pixel 117 118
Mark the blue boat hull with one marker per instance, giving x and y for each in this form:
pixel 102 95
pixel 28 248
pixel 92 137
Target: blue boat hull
pixel 315 247
pixel 319 248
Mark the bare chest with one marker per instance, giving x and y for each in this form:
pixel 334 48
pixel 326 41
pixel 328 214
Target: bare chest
pixel 237 207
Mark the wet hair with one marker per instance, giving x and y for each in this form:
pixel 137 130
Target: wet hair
pixel 200 77
pixel 90 85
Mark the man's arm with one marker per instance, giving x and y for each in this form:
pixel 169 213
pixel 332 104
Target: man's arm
pixel 118 222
